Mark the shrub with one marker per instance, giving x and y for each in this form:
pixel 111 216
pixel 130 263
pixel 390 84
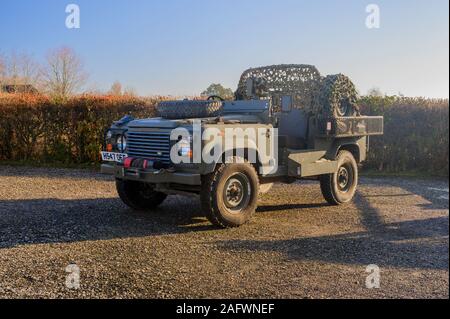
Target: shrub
pixel 33 127
pixel 415 134
pixel 36 128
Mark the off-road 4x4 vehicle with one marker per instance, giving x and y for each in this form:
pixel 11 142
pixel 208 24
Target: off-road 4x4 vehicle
pixel 286 123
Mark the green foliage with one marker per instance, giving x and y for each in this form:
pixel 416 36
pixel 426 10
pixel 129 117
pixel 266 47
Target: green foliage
pixel 218 89
pixel 34 128
pixel 416 132
pixel 69 132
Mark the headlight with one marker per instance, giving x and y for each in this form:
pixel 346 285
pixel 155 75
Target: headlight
pixel 121 143
pixel 184 148
pixel 108 135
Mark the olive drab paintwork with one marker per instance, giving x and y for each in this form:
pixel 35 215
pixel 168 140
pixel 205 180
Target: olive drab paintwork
pixel 314 122
pixel 313 113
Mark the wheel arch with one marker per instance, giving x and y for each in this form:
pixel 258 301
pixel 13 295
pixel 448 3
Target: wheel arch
pixel 245 151
pixel 352 148
pixel 209 168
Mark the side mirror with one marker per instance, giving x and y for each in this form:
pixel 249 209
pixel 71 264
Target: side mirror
pixel 286 103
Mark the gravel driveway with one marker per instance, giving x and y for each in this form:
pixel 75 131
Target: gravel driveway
pixel 295 247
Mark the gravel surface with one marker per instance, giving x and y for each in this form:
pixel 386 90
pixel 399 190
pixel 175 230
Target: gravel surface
pixel 295 247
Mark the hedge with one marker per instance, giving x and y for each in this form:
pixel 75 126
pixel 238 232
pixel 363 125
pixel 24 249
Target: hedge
pixel 415 135
pixel 34 128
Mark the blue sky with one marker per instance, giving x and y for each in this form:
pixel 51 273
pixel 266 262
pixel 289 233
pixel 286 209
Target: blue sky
pixel 179 47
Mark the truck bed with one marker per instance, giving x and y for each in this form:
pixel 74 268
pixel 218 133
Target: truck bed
pixel 350 126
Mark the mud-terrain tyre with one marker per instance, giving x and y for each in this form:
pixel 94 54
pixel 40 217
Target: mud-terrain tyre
pixel 229 195
pixel 189 109
pixel 338 97
pixel 139 196
pixel 340 187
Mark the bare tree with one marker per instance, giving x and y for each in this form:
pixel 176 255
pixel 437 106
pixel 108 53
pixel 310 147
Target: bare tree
pixel 16 69
pixel 375 92
pixel 2 68
pixel 116 88
pixel 64 74
pixel 130 91
pixel 30 71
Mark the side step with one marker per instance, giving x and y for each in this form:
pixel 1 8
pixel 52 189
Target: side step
pixel 309 163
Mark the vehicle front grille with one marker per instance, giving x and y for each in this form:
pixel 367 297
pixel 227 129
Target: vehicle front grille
pixel 153 145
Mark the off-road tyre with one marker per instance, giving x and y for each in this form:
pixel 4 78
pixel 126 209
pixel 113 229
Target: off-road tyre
pixel 333 190
pixel 189 109
pixel 139 196
pixel 338 97
pixel 214 194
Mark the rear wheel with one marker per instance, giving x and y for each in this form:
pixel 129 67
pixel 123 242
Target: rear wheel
pixel 340 187
pixel 139 196
pixel 229 195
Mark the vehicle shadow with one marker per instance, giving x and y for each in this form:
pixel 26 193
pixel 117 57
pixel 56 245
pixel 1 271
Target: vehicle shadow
pixel 417 244
pixel 435 192
pixel 283 207
pixel 411 244
pixel 54 173
pixel 38 221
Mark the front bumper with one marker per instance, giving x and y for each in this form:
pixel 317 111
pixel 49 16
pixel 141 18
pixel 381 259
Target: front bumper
pixel 151 176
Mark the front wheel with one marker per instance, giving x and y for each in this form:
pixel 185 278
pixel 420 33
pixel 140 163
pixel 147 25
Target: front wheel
pixel 138 195
pixel 340 187
pixel 229 195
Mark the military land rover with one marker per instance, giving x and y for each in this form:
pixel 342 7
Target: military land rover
pixel 286 123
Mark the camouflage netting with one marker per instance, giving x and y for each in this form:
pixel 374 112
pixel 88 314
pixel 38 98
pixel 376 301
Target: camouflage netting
pixel 300 81
pixel 338 96
pixel 189 109
pixel 334 95
pixel 330 96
